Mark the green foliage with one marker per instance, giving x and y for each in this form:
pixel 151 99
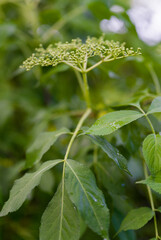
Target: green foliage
pixel 152 152
pixel 155 106
pixel 154 182
pixel 89 200
pixel 41 145
pixel 23 186
pixel 112 121
pixel 136 219
pixel 90 79
pixel 111 151
pixel 60 218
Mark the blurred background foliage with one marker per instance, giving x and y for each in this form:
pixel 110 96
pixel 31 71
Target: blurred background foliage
pixel 49 98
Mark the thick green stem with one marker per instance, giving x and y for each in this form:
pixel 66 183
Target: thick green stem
pixel 86 89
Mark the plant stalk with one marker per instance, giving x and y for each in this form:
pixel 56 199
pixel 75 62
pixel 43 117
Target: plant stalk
pixel 151 200
pixel 80 123
pixel 146 176
pixel 86 89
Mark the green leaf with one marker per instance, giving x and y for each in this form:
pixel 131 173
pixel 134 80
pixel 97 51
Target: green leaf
pixel 83 191
pixel 23 187
pixel 41 145
pixel 154 182
pixel 109 177
pixel 112 121
pixel 60 221
pixel 47 182
pixel 152 152
pixel 136 219
pixel 159 209
pixel 155 106
pixel 111 151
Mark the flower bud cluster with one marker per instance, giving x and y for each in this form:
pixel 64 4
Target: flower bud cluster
pixel 76 53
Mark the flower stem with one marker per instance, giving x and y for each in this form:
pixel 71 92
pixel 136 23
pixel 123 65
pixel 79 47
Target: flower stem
pixel 86 89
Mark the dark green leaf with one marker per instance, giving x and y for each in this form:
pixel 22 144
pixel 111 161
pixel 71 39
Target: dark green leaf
pixel 111 151
pixel 113 121
pixel 41 145
pixel 89 200
pixel 136 219
pixel 60 221
pixel 23 187
pixel 152 152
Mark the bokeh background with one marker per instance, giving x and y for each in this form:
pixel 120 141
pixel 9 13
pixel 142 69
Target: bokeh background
pixel 47 99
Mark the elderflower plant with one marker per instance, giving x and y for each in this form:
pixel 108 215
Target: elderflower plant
pixel 76 53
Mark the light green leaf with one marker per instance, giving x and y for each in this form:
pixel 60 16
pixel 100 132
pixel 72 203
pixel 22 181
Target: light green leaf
pixel 111 151
pixel 113 121
pixel 83 191
pixel 136 219
pixel 23 187
pixel 154 182
pixel 60 221
pixel 41 145
pixel 155 106
pixel 152 152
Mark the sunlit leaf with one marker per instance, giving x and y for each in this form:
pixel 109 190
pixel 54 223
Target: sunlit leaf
pixel 41 145
pixel 113 121
pixel 152 152
pixel 111 151
pixel 23 186
pixel 136 219
pixel 60 221
pixel 89 200
pixel 155 106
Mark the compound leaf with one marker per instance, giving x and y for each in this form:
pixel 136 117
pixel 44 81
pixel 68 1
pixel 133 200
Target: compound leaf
pixel 60 221
pixel 112 121
pixel 23 186
pixel 83 191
